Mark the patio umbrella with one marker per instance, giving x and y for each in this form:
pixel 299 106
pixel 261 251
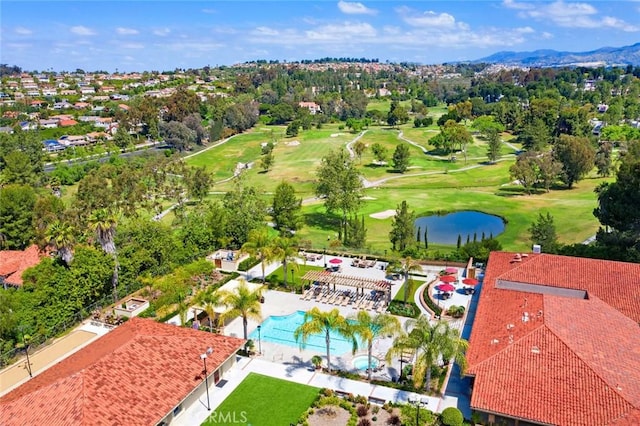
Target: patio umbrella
pixel 446 287
pixel 335 261
pixel 451 270
pixel 448 278
pixel 470 281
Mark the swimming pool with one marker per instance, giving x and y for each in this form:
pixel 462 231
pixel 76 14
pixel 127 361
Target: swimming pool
pixel 361 362
pixel 279 329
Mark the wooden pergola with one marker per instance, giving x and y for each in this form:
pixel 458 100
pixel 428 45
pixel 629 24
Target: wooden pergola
pixel 332 278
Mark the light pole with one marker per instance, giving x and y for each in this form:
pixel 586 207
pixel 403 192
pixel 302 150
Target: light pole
pixel 324 256
pixel 259 341
pixel 422 402
pixel 26 342
pixel 204 356
pixel 292 283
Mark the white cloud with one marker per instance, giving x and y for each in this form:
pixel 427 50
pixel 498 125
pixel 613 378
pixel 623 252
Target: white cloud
pixel 195 46
pixel 126 31
pixel 569 15
pixel 525 30
pixel 82 30
pixel 265 31
pixel 209 11
pixel 429 19
pixel 161 32
pixel 23 31
pixel 341 31
pixel 355 8
pixel 131 45
pixel 546 35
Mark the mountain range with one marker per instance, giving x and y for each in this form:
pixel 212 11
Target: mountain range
pixel 606 56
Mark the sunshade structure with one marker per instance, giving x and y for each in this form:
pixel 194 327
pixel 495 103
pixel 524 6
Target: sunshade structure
pixel 328 279
pixel 335 261
pixel 451 270
pixel 470 281
pixel 448 278
pixel 446 287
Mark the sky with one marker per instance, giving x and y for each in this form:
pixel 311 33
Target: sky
pixel 126 36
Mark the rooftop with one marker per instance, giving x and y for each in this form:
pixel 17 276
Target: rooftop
pixel 135 374
pixel 556 340
pixel 14 262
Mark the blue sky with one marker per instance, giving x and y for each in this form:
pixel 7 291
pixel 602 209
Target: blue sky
pixel 164 35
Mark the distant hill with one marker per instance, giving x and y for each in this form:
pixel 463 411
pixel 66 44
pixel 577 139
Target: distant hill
pixel 606 56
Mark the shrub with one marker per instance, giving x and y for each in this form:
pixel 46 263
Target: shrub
pixel 364 422
pixel 456 311
pixel 451 417
pixel 375 409
pixel 394 419
pixel 362 410
pixel 248 263
pixel 437 310
pixel 374 418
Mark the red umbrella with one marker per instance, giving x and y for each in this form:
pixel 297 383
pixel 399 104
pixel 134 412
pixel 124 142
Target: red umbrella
pixel 335 261
pixel 451 270
pixel 470 281
pixel 446 287
pixel 448 278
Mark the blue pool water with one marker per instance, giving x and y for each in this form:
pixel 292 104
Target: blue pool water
pixel 445 229
pixel 362 362
pixel 279 329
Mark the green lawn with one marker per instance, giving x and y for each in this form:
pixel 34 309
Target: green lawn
pixel 298 272
pixel 265 401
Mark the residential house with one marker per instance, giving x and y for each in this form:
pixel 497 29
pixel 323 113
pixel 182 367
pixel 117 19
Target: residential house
pixel 68 123
pixel 311 106
pixel 555 341
pixel 602 108
pixel 50 123
pixel 141 373
pixel 51 145
pixel 14 262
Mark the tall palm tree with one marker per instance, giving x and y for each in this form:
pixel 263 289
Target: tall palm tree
pixel 61 236
pixel 430 342
pixel 242 302
pixel 208 300
pixel 104 224
pixel 259 245
pixel 285 249
pixel 407 266
pixel 368 328
pixel 318 322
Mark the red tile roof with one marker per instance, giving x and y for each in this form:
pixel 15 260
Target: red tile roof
pixel 134 375
pixel 66 123
pixel 14 262
pixel 557 359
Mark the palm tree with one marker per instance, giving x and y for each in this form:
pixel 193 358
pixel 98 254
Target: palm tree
pixel 369 328
pixel 104 224
pixel 61 236
pixel 430 342
pixel 317 322
pixel 408 265
pixel 259 245
pixel 242 302
pixel 208 300
pixel 285 249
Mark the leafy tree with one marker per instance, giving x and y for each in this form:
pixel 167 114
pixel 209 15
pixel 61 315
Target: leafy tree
pixel 266 162
pixel 122 138
pixel 543 232
pixel 104 224
pixel 180 104
pixel 603 159
pixel 577 157
pixel 292 129
pixel 323 322
pixel 359 148
pixel 401 157
pixel 397 114
pixel 379 152
pixel 16 213
pixel 402 227
pixel 198 182
pixel 61 235
pixel 535 136
pixel 241 115
pixel 548 169
pixel 194 123
pixel 524 171
pixel 407 266
pixel 285 249
pixel 340 185
pixel 431 343
pixel 356 232
pixel 245 210
pixel 487 124
pixel 494 144
pixel 285 209
pixel 243 302
pixel 368 328
pixel 18 169
pixel 177 135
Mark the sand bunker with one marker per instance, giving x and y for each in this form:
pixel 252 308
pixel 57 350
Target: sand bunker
pixel 292 143
pixel 383 215
pixel 368 198
pixel 335 135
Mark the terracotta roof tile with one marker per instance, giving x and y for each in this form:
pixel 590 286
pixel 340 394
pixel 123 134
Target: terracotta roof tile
pixel 562 360
pixel 133 375
pixel 14 262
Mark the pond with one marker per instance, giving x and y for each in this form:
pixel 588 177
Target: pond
pixel 446 228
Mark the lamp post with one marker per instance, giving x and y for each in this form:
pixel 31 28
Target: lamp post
pixel 324 256
pixel 422 402
pixel 204 356
pixel 259 341
pixel 292 283
pixel 401 369
pixel 26 342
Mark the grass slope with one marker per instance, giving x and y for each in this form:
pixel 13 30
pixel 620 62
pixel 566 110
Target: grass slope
pixel 265 401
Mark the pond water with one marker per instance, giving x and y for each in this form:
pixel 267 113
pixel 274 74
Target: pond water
pixel 446 228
